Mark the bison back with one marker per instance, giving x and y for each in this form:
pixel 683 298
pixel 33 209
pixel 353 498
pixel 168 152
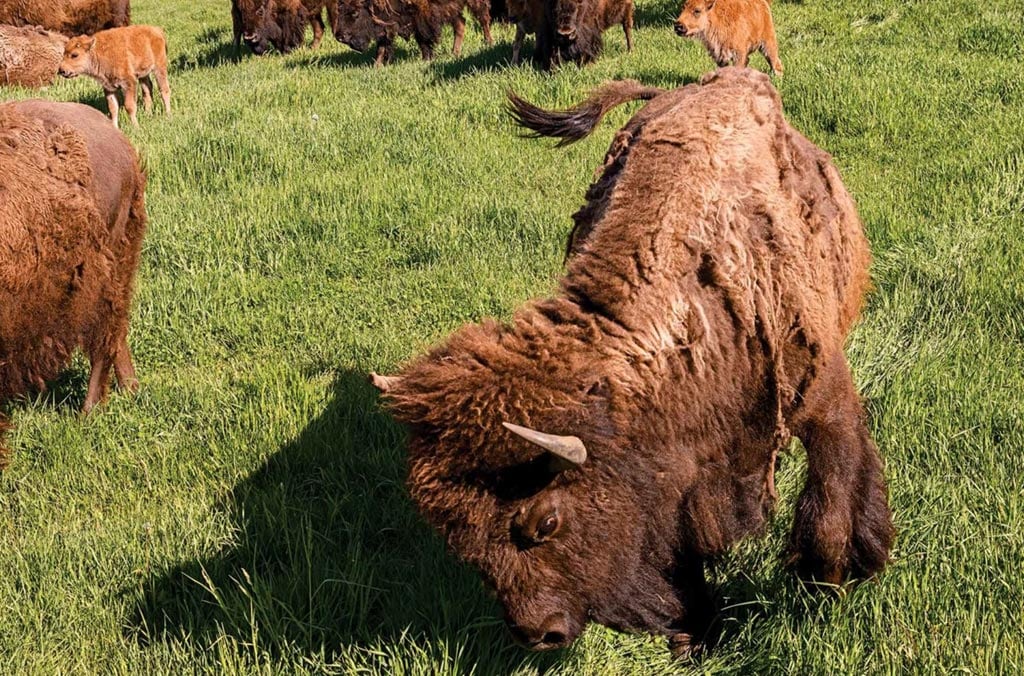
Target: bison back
pixel 29 56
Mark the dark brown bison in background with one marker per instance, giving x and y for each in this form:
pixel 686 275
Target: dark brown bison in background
pixel 72 217
pixel 361 22
pixel 70 17
pixel 572 29
pixel 280 24
pixel 29 56
pixel 589 456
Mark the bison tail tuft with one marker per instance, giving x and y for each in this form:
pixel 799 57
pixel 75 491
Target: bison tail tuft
pixel 577 122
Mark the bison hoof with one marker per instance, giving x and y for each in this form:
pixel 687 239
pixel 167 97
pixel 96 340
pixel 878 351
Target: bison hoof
pixel 685 646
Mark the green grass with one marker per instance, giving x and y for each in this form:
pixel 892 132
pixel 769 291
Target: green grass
pixel 313 218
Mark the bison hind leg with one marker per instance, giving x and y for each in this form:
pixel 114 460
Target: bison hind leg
pixel 843 527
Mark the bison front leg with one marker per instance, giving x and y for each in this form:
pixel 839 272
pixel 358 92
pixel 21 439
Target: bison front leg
pixel 517 44
pixel 694 631
pixel 124 369
pixel 385 52
pixel 317 22
pixel 112 105
pixel 843 527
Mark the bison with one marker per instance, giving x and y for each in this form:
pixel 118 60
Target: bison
pixel 72 218
pixel 70 17
pixel 731 30
pixel 572 29
pixel 361 22
pixel 280 23
pixel 29 56
pixel 589 456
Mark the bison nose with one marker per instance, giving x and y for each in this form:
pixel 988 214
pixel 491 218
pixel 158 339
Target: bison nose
pixel 552 633
pixel 680 29
pixel 567 33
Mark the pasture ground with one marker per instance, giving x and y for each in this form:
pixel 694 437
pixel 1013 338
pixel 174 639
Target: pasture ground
pixel 313 218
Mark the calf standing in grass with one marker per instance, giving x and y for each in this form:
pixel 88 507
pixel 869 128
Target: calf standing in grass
pixel 121 58
pixel 731 30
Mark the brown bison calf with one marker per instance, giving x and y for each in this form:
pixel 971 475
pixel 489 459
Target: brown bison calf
pixel 361 22
pixel 29 57
pixel 590 455
pixel 70 17
pixel 119 59
pixel 72 218
pixel 731 30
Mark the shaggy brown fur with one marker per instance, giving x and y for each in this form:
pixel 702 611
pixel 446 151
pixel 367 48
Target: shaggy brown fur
pixel 72 217
pixel 29 57
pixel 716 268
pixel 571 30
pixel 361 22
pixel 70 17
pixel 731 30
pixel 529 17
pixel 120 59
pixel 280 23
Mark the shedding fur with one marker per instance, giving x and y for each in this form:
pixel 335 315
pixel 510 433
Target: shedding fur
pixel 713 274
pixel 30 56
pixel 72 217
pixel 70 17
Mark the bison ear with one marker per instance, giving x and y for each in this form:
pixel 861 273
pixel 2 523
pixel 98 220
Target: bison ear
pixel 569 451
pixel 711 5
pixel 90 42
pixel 384 384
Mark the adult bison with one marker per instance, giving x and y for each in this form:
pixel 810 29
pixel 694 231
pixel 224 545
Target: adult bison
pixel 572 30
pixel 361 22
pixel 29 56
pixel 72 217
pixel 280 23
pixel 589 456
pixel 70 17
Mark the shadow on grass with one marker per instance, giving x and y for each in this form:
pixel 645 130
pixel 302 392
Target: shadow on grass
pixel 331 559
pixel 488 59
pixel 214 48
pixel 349 58
pixel 656 14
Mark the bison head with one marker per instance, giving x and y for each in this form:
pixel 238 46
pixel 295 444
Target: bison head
pixel 280 24
pixel 693 19
pixel 78 56
pixel 356 26
pixel 567 15
pixel 531 485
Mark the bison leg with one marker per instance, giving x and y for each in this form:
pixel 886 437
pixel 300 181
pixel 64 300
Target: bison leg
pixel 770 49
pixel 694 630
pixel 236 27
pixel 165 88
pixel 99 379
pixel 124 369
pixel 482 14
pixel 627 27
pixel 517 44
pixel 843 527
pixel 385 52
pixel 112 106
pixel 317 22
pixel 459 26
pixel 147 93
pixel 130 101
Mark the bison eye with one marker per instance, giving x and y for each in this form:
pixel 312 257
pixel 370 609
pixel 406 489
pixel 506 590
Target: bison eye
pixel 696 12
pixel 547 526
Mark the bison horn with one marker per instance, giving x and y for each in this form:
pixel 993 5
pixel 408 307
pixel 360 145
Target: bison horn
pixel 384 383
pixel 570 449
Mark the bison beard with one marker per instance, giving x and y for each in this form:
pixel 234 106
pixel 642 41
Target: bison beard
pixel 714 273
pixel 265 23
pixel 72 219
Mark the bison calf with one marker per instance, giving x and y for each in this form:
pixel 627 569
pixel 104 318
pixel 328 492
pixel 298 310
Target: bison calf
pixel 731 30
pixel 589 456
pixel 120 59
pixel 72 218
pixel 29 57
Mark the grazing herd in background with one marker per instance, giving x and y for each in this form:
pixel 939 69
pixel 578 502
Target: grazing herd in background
pixel 588 457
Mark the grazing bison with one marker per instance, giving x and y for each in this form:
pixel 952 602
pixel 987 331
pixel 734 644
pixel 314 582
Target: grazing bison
pixel 280 23
pixel 589 456
pixel 572 29
pixel 70 17
pixel 121 59
pixel 29 56
pixel 361 22
pixel 528 16
pixel 72 217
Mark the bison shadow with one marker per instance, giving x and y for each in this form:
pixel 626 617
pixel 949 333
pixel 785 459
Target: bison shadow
pixel 215 48
pixel 347 58
pixel 488 59
pixel 659 13
pixel 329 557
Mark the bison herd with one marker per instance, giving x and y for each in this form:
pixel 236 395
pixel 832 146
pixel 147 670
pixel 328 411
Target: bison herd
pixel 589 456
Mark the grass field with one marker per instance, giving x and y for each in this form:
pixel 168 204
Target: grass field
pixel 313 218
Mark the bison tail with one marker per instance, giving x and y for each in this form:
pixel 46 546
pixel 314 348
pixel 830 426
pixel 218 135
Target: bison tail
pixel 577 122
